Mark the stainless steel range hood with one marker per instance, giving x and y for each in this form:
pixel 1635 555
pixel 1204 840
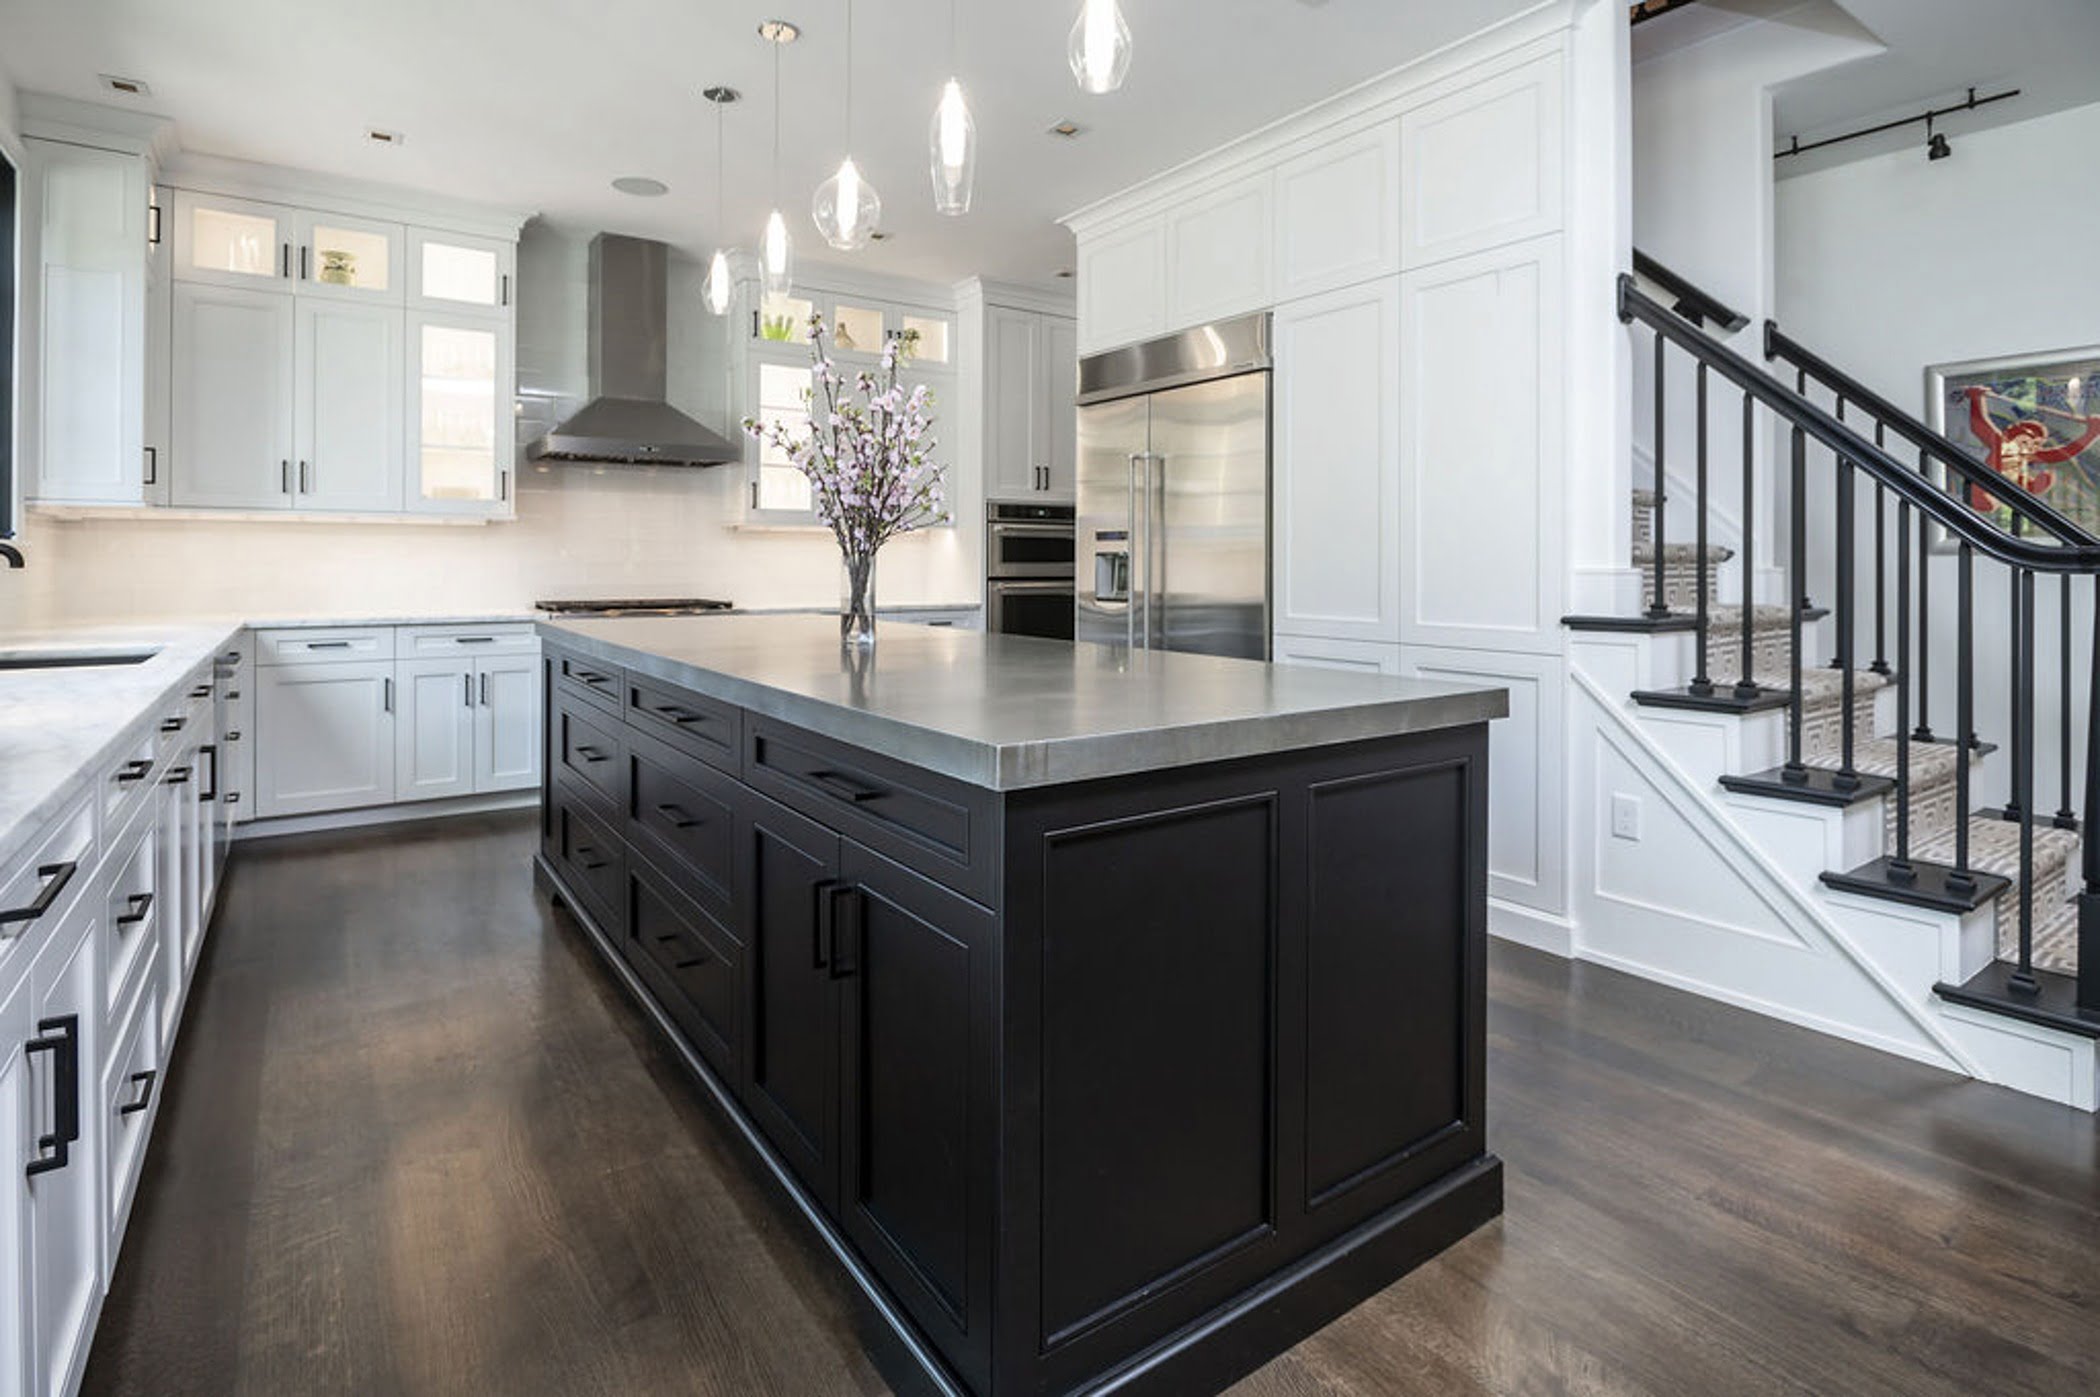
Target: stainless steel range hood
pixel 627 421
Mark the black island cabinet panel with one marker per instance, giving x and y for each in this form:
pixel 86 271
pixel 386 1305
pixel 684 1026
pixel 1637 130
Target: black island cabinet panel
pixel 1121 1085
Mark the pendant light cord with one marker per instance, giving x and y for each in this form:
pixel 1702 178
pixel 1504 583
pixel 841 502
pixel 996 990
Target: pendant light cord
pixel 776 124
pixel 721 174
pixel 849 79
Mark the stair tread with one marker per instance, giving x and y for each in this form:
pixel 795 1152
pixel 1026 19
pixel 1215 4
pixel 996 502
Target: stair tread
pixel 1680 553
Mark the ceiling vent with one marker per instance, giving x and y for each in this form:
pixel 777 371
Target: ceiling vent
pixel 383 138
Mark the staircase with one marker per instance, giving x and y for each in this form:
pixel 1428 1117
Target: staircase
pixel 1794 736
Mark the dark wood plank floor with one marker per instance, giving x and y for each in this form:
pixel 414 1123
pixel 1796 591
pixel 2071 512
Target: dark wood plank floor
pixel 415 1142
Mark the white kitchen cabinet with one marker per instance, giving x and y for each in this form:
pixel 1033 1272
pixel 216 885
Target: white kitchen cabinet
pixel 1337 465
pixel 1123 285
pixel 460 419
pixel 65 1213
pixel 91 324
pixel 460 272
pixel 223 241
pixel 1218 252
pixel 507 742
pixel 435 729
pixel 1318 652
pixel 18 1139
pixel 160 334
pixel 327 737
pixel 1338 213
pixel 348 259
pixel 231 406
pixel 350 384
pixel 1031 424
pixel 1482 166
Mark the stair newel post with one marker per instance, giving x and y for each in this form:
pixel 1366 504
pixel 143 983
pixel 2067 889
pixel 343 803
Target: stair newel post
pixel 1961 880
pixel 2022 979
pixel 1659 606
pixel 1847 778
pixel 1702 683
pixel 2089 846
pixel 1746 685
pixel 1797 580
pixel 1899 868
pixel 2066 816
pixel 1924 731
pixel 1881 547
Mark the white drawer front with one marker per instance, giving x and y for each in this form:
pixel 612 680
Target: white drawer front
pixel 126 781
pixel 433 642
pixel 131 1097
pixel 37 892
pixel 323 646
pixel 131 927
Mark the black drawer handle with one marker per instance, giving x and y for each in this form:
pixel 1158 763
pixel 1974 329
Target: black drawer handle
pixel 680 716
pixel 328 645
pixel 133 771
pixel 172 724
pixel 592 755
pixel 845 788
pixel 694 964
pixel 235 735
pixel 233 797
pixel 62 1040
pixel 583 856
pixel 201 691
pixel 473 640
pixel 590 676
pixel 678 818
pixel 144 1082
pixel 178 776
pixel 55 876
pixel 849 910
pixel 141 907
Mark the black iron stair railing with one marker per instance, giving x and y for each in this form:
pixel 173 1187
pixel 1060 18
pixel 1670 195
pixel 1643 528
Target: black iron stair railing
pixel 2040 542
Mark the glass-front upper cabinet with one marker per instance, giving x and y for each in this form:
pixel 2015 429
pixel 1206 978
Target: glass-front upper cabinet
pixel 459 415
pixel 233 242
pixel 782 320
pixel 350 258
pixel 929 339
pixel 460 272
pixel 779 489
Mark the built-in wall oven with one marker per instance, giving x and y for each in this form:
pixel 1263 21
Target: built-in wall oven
pixel 1029 551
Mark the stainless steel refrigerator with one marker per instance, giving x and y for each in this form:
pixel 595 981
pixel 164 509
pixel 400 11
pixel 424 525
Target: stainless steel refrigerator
pixel 1173 528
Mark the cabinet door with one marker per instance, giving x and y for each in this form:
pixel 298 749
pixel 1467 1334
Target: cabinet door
pixel 1123 285
pixel 327 737
pixel 1337 465
pixel 1012 394
pixel 65 1199
pixel 177 893
pixel 1218 260
pixel 232 408
pixel 434 734
pixel 456 271
pixel 790 869
pixel 1060 412
pixel 1338 213
pixel 232 242
pixel 160 334
pixel 507 723
pixel 17 1092
pixel 459 414
pixel 348 259
pixel 347 408
pixel 919 1142
pixel 91 318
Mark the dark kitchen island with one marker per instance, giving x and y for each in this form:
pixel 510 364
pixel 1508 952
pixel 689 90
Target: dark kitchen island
pixel 1117 1017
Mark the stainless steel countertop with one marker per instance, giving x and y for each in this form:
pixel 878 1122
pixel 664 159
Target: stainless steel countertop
pixel 1008 712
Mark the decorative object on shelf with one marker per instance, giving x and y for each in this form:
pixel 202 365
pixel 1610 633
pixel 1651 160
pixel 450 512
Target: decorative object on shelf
pixel 846 207
pixel 721 287
pixel 776 251
pixel 2032 418
pixel 1099 50
pixel 953 140
pixel 777 328
pixel 338 268
pixel 867 452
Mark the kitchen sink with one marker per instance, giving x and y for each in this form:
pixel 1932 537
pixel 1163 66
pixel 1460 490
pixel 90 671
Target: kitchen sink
pixel 71 659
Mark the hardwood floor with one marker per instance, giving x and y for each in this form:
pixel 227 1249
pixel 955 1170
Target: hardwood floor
pixel 416 1142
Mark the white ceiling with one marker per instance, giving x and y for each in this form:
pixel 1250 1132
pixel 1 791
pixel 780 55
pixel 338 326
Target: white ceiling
pixel 539 105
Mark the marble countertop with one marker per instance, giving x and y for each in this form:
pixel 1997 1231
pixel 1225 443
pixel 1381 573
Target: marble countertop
pixel 1010 711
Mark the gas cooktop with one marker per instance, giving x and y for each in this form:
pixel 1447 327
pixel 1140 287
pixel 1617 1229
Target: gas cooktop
pixel 641 606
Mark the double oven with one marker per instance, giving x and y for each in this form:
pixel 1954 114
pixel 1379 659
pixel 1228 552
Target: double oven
pixel 1029 552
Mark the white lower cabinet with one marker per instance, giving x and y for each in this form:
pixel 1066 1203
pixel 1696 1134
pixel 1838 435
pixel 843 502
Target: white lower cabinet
pixel 434 732
pixel 65 1217
pixel 17 1093
pixel 507 722
pixel 327 737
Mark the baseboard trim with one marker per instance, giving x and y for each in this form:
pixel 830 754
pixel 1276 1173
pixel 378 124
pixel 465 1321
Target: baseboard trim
pixel 1527 926
pixel 387 815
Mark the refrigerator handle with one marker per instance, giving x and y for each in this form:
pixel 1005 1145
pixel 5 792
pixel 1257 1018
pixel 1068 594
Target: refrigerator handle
pixel 1155 545
pixel 1135 591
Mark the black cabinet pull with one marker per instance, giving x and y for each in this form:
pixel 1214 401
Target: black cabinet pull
pixel 133 771
pixel 328 645
pixel 233 797
pixel 678 818
pixel 848 919
pixel 592 755
pixel 63 1042
pixel 152 465
pixel 844 787
pixel 305 488
pixel 173 724
pixel 694 964
pixel 466 687
pixel 178 776
pixel 680 716
pixel 235 734
pixel 484 691
pixel 201 691
pixel 473 640
pixel 209 751
pixel 141 905
pixel 590 676
pixel 144 1082
pixel 55 876
pixel 302 261
pixel 583 856
pixel 820 954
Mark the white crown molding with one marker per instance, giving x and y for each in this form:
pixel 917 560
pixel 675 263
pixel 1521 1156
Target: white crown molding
pixel 213 174
pixel 1522 38
pixel 1017 296
pixel 74 122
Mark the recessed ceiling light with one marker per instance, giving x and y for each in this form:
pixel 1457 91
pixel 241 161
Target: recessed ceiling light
pixel 1067 129
pixel 779 31
pixel 383 138
pixel 641 186
pixel 129 87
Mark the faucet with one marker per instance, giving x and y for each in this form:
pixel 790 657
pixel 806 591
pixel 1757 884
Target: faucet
pixel 12 554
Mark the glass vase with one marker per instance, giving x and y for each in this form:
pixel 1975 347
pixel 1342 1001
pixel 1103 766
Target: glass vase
pixel 857 602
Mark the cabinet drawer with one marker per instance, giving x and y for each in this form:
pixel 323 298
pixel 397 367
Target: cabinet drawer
pixel 324 646
pixel 707 728
pixel 592 679
pixel 690 962
pixel 131 1097
pixel 126 780
pixel 680 810
pixel 939 827
pixel 589 748
pixel 429 642
pixel 590 857
pixel 131 921
pixel 39 890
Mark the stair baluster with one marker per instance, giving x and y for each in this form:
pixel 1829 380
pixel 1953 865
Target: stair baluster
pixel 2015 676
pixel 1900 869
pixel 1924 730
pixel 1659 605
pixel 1797 587
pixel 2088 997
pixel 1702 683
pixel 2066 817
pixel 1746 685
pixel 1847 778
pixel 2022 980
pixel 1961 880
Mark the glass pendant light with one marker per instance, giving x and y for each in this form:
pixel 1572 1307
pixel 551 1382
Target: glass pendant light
pixel 847 208
pixel 953 142
pixel 721 288
pixel 776 251
pixel 1100 47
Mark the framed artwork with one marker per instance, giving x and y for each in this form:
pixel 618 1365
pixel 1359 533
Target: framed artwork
pixel 2033 418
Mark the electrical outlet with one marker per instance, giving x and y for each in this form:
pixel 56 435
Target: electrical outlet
pixel 1626 818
